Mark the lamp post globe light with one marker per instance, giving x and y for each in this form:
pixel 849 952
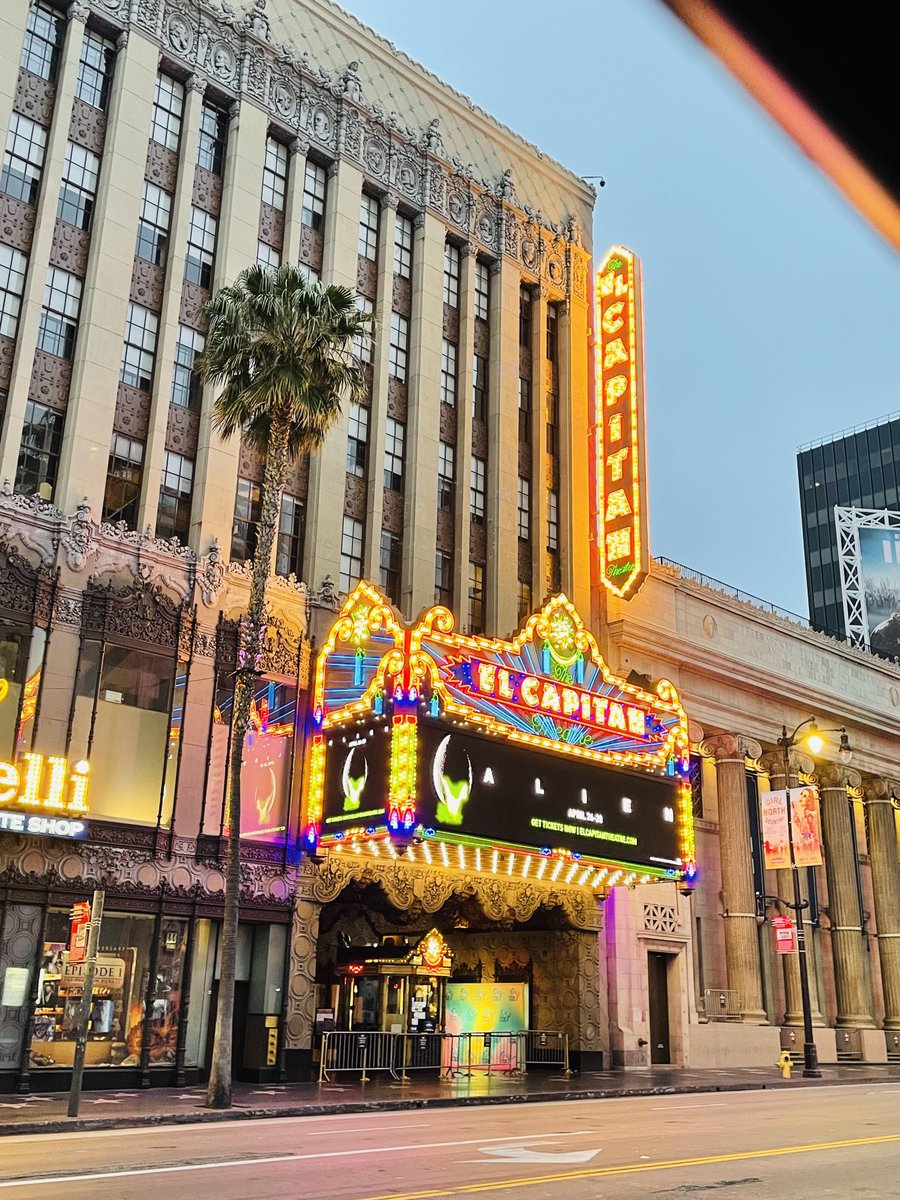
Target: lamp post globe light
pixel 815 743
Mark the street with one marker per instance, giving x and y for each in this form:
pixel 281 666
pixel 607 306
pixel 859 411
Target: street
pixel 822 1142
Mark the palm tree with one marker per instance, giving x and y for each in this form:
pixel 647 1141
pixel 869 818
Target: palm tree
pixel 280 349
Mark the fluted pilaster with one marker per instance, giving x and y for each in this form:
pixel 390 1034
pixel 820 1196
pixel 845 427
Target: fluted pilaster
pixel 854 1001
pixel 741 944
pixel 882 836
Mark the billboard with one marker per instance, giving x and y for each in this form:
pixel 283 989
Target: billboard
pixel 869 558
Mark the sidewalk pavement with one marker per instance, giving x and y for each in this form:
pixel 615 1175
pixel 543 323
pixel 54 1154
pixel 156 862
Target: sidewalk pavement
pixel 46 1112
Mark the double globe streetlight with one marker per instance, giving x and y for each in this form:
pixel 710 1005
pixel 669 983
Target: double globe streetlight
pixel 815 743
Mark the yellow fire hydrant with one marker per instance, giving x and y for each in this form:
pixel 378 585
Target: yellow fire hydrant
pixel 784 1062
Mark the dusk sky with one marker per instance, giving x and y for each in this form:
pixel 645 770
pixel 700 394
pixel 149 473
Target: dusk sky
pixel 771 307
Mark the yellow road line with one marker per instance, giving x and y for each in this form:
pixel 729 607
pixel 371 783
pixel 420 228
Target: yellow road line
pixel 632 1169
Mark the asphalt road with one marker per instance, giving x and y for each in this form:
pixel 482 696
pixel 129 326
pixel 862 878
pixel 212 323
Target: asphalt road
pixel 819 1143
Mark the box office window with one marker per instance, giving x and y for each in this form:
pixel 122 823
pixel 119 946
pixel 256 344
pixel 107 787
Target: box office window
pixel 121 724
pixel 120 993
pixel 268 751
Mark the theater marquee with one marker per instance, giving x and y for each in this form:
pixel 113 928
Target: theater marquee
pixel 530 748
pixel 619 454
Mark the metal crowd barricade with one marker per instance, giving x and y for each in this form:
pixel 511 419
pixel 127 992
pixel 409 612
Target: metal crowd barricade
pixel 450 1055
pixel 349 1050
pixel 545 1048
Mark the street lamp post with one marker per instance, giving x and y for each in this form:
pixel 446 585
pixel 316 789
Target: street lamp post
pixel 815 742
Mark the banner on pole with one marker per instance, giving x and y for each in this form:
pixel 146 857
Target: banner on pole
pixel 79 927
pixel 805 827
pixel 774 821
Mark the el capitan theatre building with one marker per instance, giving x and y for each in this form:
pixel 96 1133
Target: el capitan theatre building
pixel 496 792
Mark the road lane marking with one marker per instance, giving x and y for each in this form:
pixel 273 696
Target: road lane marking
pixel 638 1168
pixel 679 1107
pixel 522 1154
pixel 128 1172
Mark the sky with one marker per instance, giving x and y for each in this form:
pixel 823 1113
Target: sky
pixel 770 306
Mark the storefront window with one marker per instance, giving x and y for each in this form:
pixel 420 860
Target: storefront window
pixel 20 937
pixel 266 773
pixel 21 656
pixel 165 1002
pixel 127 746
pixel 123 965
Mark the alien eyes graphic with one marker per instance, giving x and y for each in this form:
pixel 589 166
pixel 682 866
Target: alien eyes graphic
pixel 452 793
pixel 353 785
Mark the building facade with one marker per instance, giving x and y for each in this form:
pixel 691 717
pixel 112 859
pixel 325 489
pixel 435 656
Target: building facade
pixel 855 469
pixel 152 152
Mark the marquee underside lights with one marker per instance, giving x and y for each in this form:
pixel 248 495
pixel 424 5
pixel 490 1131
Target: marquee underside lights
pixel 619 453
pixel 506 746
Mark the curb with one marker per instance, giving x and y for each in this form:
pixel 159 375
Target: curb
pixel 209 1117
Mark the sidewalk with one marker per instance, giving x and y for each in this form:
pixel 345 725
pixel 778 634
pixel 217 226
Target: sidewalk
pixel 46 1112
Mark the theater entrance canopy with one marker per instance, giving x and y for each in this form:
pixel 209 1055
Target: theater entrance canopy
pixel 526 758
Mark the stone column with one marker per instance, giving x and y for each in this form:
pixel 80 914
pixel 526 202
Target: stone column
pixel 301 998
pixel 854 1001
pixel 502 468
pixel 293 209
pixel 464 384
pixel 741 944
pixel 773 765
pixel 882 836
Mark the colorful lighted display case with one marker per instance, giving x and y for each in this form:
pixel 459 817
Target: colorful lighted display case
pixel 529 747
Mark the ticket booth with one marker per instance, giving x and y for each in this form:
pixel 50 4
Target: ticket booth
pixel 393 988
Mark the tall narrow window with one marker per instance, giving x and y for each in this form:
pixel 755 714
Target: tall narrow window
pixel 173 518
pixel 448 372
pixel 140 347
pixel 443 578
pixel 247 507
pixel 394 445
pixel 552 521
pixel 312 211
pixel 368 228
pixel 44 36
pixel 552 423
pixel 363 344
pixel 186 387
pixel 479 387
pixel 476 598
pixel 123 481
pixel 357 440
pixel 524 508
pixel 525 307
pixel 95 70
pixel 59 313
pixel 153 227
pixel 525 601
pixel 451 276
pixel 13 265
pixel 213 139
pixel 289 548
pixel 168 106
pixel 267 256
pixel 403 243
pixel 39 449
pixel 399 347
pixel 24 159
pixel 446 476
pixel 275 173
pixel 198 264
pixel 79 186
pixel 351 553
pixel 390 565
pixel 477 490
pixel 552 332
pixel 482 291
pixel 525 411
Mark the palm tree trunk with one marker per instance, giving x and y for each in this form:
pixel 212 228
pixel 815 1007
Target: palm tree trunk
pixel 218 1093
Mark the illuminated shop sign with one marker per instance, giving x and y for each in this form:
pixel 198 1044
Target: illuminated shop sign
pixel 619 470
pixel 46 785
pixel 519 743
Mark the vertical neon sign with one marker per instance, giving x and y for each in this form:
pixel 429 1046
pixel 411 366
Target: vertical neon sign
pixel 619 440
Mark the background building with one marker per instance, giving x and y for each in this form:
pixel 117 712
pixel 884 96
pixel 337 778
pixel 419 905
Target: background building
pixel 854 469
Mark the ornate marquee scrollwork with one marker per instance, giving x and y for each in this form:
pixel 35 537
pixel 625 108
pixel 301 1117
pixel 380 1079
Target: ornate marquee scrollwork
pixel 411 885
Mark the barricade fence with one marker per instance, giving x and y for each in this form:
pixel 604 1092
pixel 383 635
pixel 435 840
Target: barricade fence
pixel 449 1055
